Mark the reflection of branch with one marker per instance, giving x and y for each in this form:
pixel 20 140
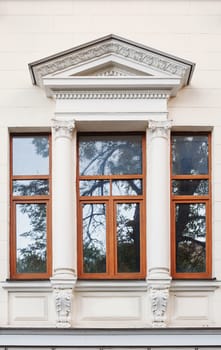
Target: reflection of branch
pixel 96 185
pixel 193 240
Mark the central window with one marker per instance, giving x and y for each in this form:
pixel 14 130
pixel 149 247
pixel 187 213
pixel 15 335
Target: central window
pixel 111 210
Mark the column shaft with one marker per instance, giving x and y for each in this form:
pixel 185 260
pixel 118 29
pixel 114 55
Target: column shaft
pixel 159 204
pixel 63 200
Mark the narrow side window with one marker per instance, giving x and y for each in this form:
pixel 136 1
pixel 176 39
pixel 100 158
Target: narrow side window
pixel 30 224
pixel 191 205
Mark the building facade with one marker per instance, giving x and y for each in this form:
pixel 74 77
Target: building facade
pixel 110 168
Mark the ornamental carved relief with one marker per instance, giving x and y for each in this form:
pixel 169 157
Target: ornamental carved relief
pixel 159 301
pixel 63 303
pixel 63 128
pixel 111 46
pixel 160 128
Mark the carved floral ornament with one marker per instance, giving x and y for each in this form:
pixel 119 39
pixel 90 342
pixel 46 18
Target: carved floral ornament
pixel 160 128
pixel 63 128
pixel 159 301
pixel 112 46
pixel 63 303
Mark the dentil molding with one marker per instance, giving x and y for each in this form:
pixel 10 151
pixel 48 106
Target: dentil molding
pixel 112 95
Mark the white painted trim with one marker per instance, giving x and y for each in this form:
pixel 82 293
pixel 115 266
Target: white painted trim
pixel 113 338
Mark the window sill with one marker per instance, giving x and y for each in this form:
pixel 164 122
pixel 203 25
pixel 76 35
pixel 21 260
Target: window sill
pixel 26 286
pixel 207 285
pixel 109 286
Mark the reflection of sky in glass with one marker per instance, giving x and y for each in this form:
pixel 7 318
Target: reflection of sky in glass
pixel 110 155
pixel 94 226
pixel 26 160
pixel 126 187
pixel 30 187
pixel 22 225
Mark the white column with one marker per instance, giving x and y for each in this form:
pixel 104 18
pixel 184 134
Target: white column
pixel 159 220
pixel 63 212
pixel 159 203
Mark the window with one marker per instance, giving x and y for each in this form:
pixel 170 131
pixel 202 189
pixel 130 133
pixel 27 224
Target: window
pixel 111 188
pixel 30 207
pixel 191 207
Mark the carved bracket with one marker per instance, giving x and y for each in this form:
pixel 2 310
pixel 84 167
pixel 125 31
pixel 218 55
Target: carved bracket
pixel 63 304
pixel 159 300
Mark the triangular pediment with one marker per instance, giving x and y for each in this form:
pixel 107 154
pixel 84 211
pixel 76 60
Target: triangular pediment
pixel 111 69
pixel 111 57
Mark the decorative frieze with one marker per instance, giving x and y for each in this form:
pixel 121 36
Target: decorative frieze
pixel 160 128
pixel 112 95
pixel 159 300
pixel 63 128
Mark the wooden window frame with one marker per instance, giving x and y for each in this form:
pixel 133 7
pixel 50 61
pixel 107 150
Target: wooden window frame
pixel 192 199
pixel 111 201
pixel 31 199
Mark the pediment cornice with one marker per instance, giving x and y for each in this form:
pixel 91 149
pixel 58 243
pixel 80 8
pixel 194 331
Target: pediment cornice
pixel 112 45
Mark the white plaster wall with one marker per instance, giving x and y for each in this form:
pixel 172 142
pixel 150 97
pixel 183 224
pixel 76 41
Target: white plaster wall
pixel 33 29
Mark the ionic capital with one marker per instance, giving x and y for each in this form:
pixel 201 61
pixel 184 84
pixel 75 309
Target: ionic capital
pixel 160 128
pixel 63 128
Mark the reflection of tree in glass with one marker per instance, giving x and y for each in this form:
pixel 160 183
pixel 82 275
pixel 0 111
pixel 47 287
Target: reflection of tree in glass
pixel 114 155
pixel 128 237
pixel 111 156
pixel 32 257
pixel 94 238
pixel 190 157
pixel 41 145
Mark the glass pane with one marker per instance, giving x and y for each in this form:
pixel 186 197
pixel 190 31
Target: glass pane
pixel 110 155
pixel 190 187
pixel 30 187
pixel 128 237
pixel 31 155
pixel 190 154
pixel 94 188
pixel 31 238
pixel 191 237
pixel 94 237
pixel 126 187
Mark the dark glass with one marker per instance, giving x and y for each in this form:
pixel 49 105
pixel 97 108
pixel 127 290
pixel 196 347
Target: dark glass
pixel 94 188
pixel 110 155
pixel 31 238
pixel 189 154
pixel 30 187
pixel 127 187
pixel 128 237
pixel 191 237
pixel 190 187
pixel 30 155
pixel 94 237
